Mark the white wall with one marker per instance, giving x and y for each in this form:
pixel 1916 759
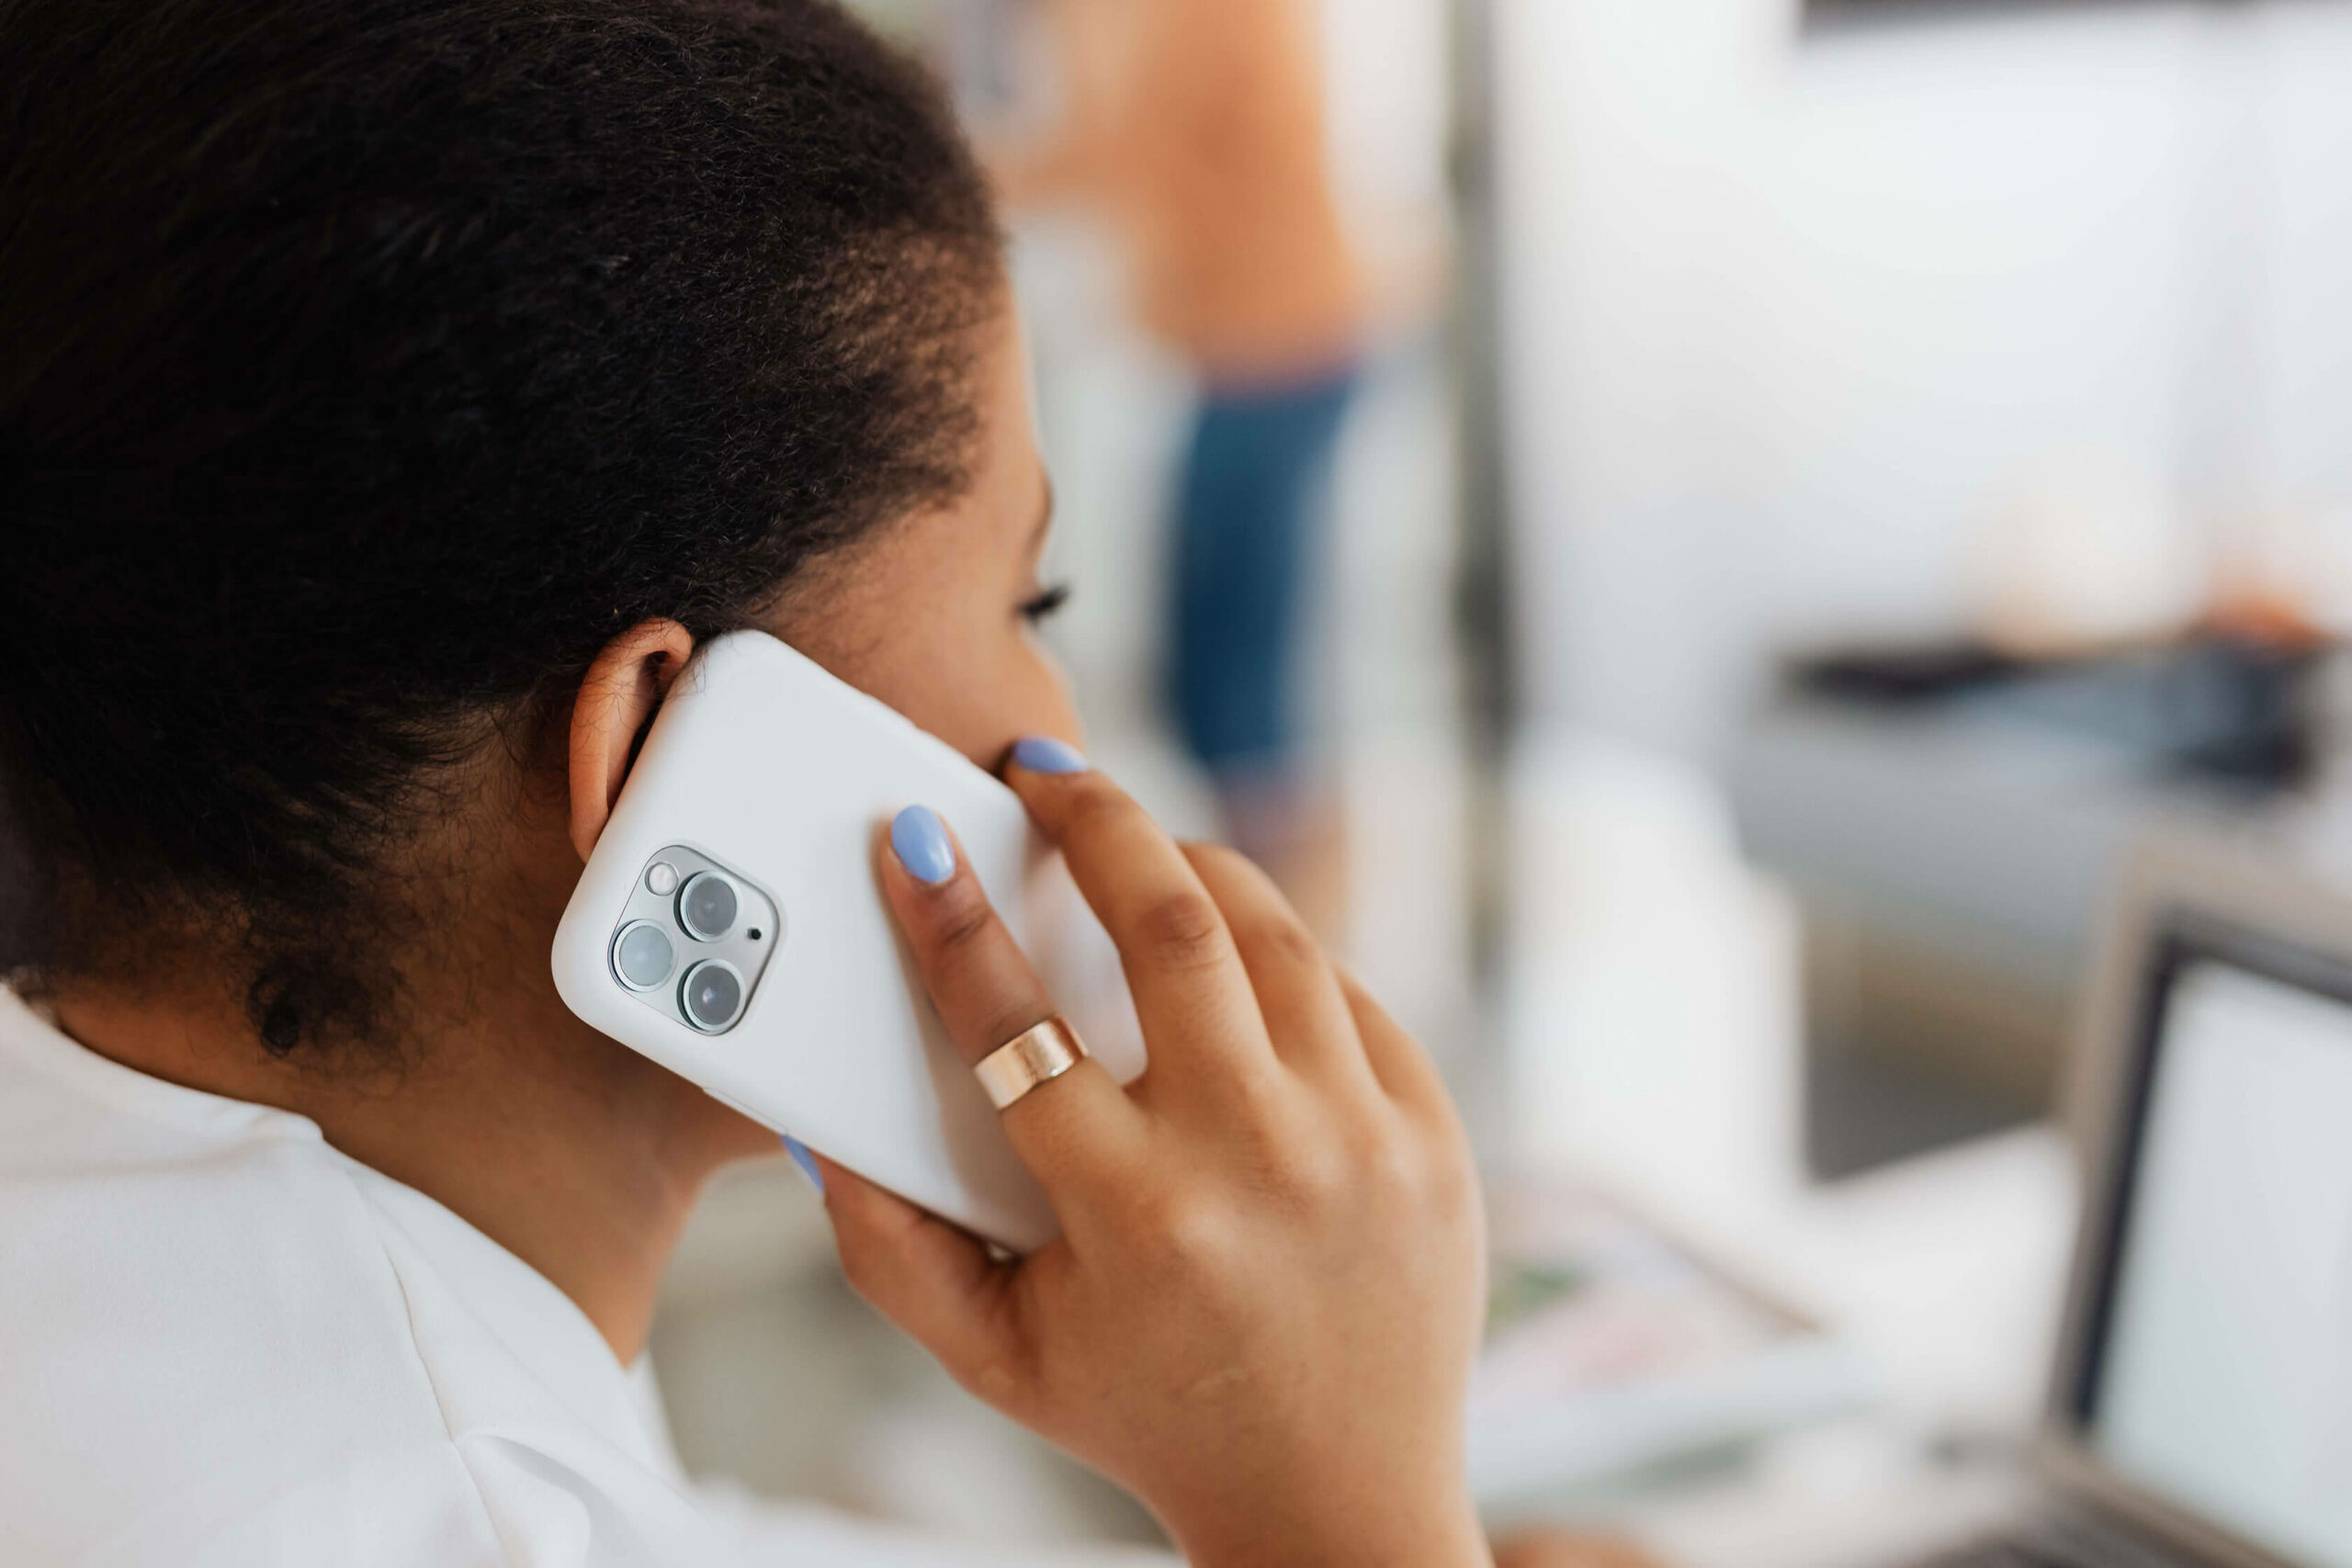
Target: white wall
pixel 1792 317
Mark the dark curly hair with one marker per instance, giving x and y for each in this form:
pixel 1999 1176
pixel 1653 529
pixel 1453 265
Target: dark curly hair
pixel 367 365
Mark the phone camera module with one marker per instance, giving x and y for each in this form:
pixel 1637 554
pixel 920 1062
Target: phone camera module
pixel 712 996
pixel 693 939
pixel 642 955
pixel 707 907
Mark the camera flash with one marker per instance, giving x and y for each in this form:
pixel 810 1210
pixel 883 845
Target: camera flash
pixel 661 878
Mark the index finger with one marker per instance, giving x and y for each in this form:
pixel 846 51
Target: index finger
pixel 1191 992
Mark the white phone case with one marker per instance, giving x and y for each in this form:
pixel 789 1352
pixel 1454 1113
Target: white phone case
pixel 787 778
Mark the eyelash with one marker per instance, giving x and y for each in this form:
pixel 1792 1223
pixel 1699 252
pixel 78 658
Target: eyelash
pixel 1046 604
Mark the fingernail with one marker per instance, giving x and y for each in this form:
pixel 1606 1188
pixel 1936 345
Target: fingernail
pixel 919 841
pixel 806 1162
pixel 1043 754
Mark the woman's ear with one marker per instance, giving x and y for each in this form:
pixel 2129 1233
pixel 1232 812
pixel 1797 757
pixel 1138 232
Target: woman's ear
pixel 617 700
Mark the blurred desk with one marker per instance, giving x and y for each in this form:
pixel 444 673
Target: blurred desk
pixel 1861 1495
pixel 1655 1045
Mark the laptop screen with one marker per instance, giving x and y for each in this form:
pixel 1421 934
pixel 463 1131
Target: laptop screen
pixel 2220 1377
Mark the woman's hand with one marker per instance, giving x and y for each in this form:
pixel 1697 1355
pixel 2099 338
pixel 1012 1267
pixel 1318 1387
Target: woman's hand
pixel 1261 1312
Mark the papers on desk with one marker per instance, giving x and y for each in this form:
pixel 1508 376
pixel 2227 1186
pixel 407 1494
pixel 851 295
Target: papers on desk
pixel 1611 1346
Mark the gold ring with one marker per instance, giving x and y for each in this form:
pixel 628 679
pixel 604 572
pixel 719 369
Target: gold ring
pixel 1035 1056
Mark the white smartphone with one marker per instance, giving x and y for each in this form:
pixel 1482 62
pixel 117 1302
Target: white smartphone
pixel 730 925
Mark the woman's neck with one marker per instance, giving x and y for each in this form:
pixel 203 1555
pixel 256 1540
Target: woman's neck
pixel 576 1154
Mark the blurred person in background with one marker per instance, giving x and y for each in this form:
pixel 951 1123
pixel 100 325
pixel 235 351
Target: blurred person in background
pixel 393 393
pixel 1197 129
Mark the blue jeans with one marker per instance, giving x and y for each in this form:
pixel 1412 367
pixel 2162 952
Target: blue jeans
pixel 1255 477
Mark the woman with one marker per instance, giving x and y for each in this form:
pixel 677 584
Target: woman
pixel 1198 128
pixel 392 392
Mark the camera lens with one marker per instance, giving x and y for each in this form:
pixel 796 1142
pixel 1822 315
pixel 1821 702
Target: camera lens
pixel 712 996
pixel 642 955
pixel 706 906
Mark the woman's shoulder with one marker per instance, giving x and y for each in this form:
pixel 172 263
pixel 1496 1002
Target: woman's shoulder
pixel 228 1344
pixel 193 1325
pixel 222 1346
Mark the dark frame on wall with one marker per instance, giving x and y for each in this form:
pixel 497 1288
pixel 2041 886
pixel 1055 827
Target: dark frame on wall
pixel 1821 16
pixel 1483 606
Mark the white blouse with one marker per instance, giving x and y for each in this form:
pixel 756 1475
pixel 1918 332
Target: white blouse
pixel 224 1342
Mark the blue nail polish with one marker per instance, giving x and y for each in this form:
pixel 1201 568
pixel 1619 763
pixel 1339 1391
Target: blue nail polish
pixel 919 841
pixel 1043 754
pixel 807 1164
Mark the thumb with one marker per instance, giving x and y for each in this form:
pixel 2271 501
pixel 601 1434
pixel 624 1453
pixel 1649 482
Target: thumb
pixel 935 1283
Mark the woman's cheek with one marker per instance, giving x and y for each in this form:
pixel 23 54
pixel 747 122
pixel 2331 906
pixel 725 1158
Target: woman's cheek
pixel 1050 708
pixel 981 705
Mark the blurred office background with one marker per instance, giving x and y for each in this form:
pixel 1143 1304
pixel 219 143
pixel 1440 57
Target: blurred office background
pixel 1826 476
